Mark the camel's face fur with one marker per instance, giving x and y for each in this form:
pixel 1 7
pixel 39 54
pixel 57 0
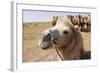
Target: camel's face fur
pixel 59 35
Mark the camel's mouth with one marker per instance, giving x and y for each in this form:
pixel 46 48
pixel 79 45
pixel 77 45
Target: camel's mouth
pixel 45 47
pixel 49 45
pixel 45 44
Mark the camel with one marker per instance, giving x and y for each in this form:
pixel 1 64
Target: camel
pixel 65 38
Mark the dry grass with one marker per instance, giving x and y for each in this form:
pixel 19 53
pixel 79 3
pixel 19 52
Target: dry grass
pixel 32 52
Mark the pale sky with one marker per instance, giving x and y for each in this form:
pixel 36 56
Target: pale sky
pixel 42 16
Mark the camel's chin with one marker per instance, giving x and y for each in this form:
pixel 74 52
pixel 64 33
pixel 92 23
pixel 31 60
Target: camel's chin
pixel 45 48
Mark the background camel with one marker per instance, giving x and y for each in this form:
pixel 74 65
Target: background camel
pixel 84 22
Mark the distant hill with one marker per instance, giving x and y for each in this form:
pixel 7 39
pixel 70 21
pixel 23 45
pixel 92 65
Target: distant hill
pixel 36 22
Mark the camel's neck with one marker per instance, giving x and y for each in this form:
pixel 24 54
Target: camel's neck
pixel 73 49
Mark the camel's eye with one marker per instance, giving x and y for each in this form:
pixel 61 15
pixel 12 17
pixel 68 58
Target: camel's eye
pixel 65 32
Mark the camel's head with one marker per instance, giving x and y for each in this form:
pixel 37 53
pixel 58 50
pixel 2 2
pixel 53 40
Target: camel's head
pixel 59 35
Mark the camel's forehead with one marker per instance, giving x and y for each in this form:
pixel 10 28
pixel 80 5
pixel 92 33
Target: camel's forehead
pixel 64 21
pixel 64 25
pixel 61 28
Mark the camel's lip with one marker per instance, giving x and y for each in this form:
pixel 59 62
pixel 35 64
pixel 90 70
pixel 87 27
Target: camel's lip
pixel 45 48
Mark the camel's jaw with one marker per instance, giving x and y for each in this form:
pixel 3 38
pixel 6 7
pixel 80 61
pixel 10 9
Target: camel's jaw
pixel 45 45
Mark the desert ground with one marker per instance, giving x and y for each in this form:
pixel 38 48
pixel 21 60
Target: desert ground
pixel 31 50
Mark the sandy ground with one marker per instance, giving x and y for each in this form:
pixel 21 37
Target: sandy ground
pixel 33 53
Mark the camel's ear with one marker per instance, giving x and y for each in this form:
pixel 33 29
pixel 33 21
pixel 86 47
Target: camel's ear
pixel 54 20
pixel 76 28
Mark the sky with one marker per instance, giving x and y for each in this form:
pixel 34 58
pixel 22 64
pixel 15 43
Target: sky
pixel 43 16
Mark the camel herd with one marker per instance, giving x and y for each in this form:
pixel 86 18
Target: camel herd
pixel 66 38
pixel 84 22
